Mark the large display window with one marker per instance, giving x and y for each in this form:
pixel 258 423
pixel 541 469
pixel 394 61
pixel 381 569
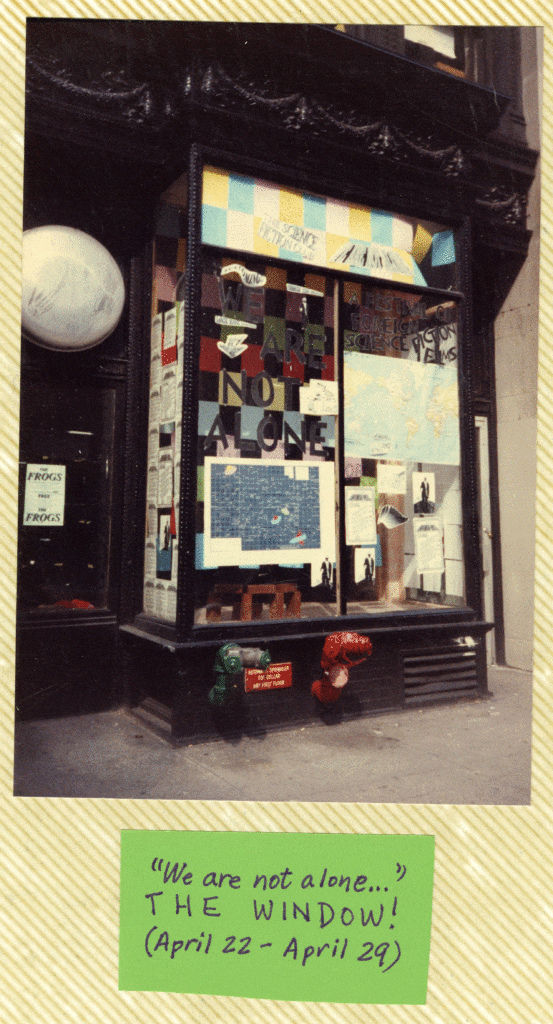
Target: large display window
pixel 328 444
pixel 401 441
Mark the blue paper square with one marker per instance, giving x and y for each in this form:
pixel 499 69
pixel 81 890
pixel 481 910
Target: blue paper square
pixel 443 248
pixel 214 225
pixel 314 213
pixel 250 418
pixel 418 277
pixel 381 227
pixel 284 254
pixel 240 193
pixel 207 411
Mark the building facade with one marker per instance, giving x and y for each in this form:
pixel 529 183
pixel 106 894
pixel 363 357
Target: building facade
pixel 306 420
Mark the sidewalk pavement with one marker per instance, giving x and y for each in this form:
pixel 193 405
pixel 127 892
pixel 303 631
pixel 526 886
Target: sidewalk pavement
pixel 468 752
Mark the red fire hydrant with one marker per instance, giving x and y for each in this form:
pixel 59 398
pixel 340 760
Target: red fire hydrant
pixel 340 652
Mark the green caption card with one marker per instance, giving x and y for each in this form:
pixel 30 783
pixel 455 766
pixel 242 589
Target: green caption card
pixel 315 918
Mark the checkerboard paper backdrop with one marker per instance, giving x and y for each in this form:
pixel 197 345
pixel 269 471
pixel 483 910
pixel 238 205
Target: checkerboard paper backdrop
pixel 255 216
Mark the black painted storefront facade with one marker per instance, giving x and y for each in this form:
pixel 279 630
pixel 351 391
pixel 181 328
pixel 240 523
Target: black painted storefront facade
pixel 117 112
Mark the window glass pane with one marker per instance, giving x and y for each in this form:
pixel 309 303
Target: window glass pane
pixel 402 496
pixel 265 542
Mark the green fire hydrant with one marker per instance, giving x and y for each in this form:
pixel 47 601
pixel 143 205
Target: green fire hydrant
pixel 231 660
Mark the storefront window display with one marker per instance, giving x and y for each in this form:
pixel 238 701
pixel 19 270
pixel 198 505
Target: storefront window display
pixel 328 446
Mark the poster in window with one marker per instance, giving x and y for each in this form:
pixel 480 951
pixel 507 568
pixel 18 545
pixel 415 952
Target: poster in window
pixel 392 478
pixel 168 395
pixel 365 565
pixel 397 409
pixel 44 495
pixel 424 493
pixel 165 479
pixel 270 511
pixel 429 546
pixel 164 546
pixel 360 515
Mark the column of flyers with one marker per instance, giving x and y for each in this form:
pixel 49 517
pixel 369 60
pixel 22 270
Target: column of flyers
pixel 152 484
pixel 163 475
pixel 155 337
pixel 151 519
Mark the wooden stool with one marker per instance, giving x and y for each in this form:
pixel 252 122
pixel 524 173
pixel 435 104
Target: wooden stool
pixel 247 601
pixel 215 600
pixel 284 599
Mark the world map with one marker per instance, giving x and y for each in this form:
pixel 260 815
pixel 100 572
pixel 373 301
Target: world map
pixel 399 409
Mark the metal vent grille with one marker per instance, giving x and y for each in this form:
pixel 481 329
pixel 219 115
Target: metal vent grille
pixel 448 671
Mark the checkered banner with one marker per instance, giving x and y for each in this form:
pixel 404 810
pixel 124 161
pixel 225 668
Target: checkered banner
pixel 254 216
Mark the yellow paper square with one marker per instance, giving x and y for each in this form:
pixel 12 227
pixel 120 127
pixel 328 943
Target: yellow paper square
pixel 215 188
pixel 421 243
pixel 261 245
pixel 291 206
pixel 360 223
pixel 231 397
pixel 277 405
pixel 333 244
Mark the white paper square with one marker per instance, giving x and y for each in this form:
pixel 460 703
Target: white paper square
pixel 337 218
pixel 239 230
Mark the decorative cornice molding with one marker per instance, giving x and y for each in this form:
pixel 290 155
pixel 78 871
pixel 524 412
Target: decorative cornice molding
pixel 110 94
pixel 509 207
pixel 377 135
pixel 373 126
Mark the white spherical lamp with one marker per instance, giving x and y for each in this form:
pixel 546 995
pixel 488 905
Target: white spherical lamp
pixel 73 291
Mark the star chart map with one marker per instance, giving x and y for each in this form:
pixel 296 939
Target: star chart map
pixel 269 507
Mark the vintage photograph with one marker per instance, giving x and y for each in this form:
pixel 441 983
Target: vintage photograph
pixel 278 412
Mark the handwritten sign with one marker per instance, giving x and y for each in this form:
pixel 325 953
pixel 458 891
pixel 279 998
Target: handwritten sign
pixel 324 918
